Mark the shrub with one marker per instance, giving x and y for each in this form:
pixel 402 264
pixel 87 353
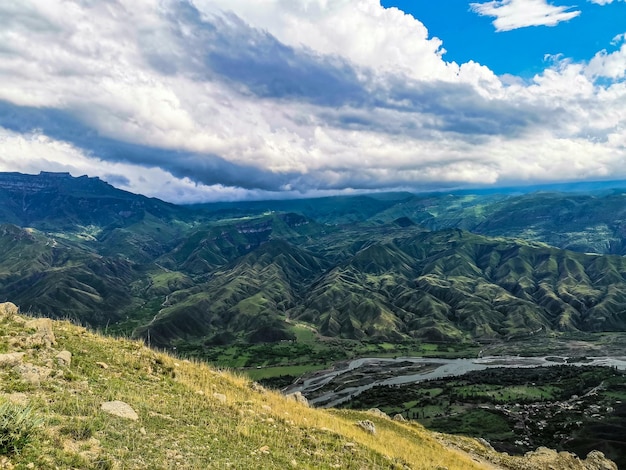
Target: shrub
pixel 79 431
pixel 17 426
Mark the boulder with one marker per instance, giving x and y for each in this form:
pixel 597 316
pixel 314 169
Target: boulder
pixel 32 374
pixel 7 310
pixel 597 461
pixel 298 397
pixel 120 409
pixel 378 413
pixel 367 426
pixel 11 359
pixel 64 358
pixel 548 458
pixel 44 336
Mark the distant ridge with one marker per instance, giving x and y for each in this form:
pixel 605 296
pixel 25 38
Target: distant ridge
pixel 46 180
pixel 58 200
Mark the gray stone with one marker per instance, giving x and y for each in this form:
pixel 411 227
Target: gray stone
pixel 486 443
pixel 11 359
pixel 351 446
pixel 378 413
pixel 298 397
pixel 548 458
pixel 32 374
pixel 44 335
pixel 398 417
pixel 64 358
pixel 119 408
pixel 367 426
pixel 7 310
pixel 597 461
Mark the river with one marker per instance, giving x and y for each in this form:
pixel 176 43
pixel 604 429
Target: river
pixel 331 387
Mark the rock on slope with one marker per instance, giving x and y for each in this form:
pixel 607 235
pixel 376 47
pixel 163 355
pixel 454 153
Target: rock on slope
pixel 180 414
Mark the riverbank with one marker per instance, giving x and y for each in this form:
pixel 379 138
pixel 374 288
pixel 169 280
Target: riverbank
pixel 331 387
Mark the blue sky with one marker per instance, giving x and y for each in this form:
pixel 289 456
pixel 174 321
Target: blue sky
pixel 469 36
pixel 203 100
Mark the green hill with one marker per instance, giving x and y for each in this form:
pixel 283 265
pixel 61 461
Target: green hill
pixel 247 299
pixel 435 286
pixel 73 399
pixel 389 268
pixel 56 277
pixel 592 222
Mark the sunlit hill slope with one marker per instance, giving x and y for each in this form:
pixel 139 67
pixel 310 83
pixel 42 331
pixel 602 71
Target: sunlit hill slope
pixel 60 386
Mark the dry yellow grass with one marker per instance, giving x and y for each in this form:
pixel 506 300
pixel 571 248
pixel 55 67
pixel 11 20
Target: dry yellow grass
pixel 192 416
pixel 403 443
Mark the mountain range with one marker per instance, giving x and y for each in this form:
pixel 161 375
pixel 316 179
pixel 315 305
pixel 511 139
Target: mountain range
pixel 388 267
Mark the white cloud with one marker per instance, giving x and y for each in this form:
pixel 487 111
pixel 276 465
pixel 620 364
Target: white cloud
pixel 514 14
pixel 618 39
pixel 608 65
pixel 604 2
pixel 187 110
pixel 386 40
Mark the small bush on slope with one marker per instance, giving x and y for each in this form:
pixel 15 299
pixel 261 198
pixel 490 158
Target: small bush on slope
pixel 17 427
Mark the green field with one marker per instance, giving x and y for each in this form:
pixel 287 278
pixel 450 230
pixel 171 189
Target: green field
pixel 288 371
pixel 517 410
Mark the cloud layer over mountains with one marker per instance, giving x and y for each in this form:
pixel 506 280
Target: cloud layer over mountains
pixel 204 100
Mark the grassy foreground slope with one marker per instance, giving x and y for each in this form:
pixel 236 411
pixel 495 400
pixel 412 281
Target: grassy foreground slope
pixel 190 415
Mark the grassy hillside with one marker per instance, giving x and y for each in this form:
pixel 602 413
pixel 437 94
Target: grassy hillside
pixel 53 276
pixel 392 268
pixel 392 284
pixel 585 222
pixel 55 378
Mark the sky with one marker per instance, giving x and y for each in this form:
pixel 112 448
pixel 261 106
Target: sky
pixel 209 100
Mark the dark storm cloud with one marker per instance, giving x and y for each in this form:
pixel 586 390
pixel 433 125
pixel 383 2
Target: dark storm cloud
pixel 224 47
pixel 202 168
pixel 459 108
